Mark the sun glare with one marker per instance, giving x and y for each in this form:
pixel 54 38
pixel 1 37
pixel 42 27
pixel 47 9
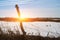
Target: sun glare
pixel 22 17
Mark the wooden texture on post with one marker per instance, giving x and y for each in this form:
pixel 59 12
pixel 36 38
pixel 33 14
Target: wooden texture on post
pixel 21 25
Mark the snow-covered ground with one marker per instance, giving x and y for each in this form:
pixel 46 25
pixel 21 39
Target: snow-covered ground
pixel 45 29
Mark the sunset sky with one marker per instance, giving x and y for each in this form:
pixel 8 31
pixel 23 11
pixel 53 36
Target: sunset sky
pixel 30 8
pixel 33 8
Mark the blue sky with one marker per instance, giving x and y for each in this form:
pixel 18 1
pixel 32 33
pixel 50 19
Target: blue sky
pixel 30 8
pixel 33 8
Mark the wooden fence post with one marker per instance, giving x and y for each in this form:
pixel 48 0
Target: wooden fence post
pixel 21 25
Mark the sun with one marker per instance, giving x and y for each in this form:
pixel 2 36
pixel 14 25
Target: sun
pixel 22 17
